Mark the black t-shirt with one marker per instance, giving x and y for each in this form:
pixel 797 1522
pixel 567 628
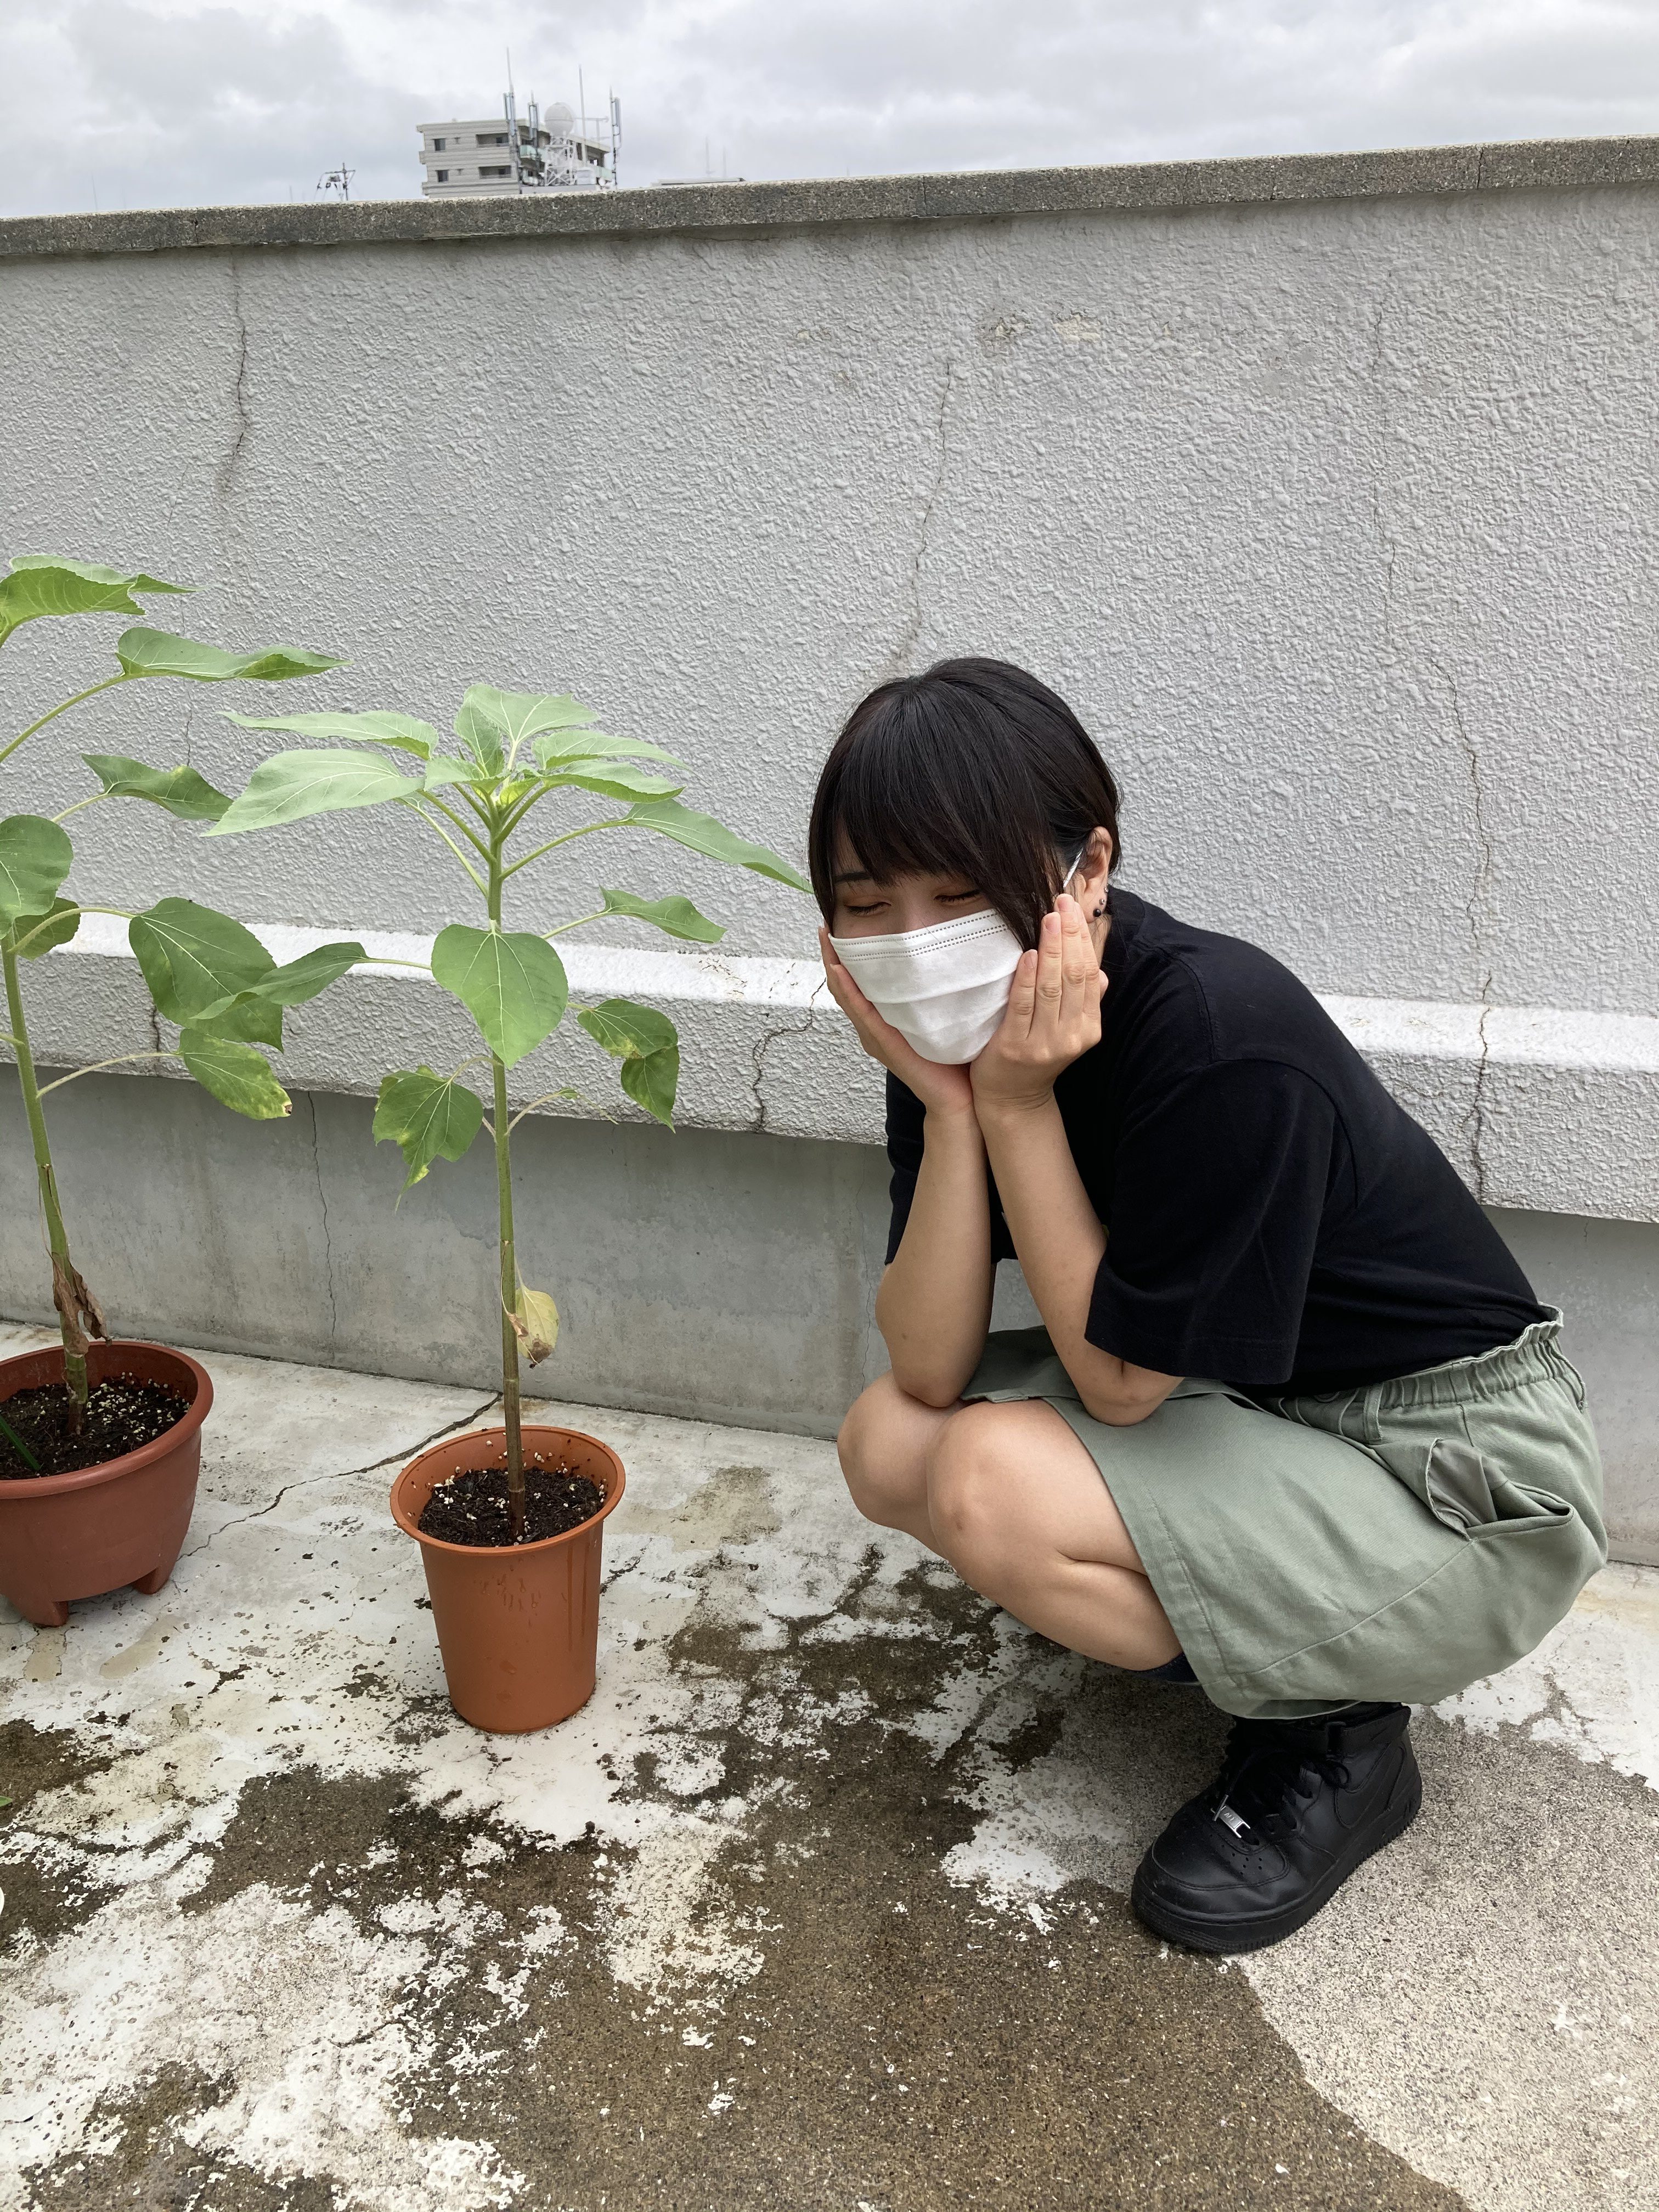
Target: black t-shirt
pixel 1274 1219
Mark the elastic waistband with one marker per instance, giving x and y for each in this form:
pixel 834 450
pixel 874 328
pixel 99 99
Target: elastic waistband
pixel 1534 1357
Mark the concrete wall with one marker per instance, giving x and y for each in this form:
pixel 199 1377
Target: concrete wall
pixel 1335 517
pixel 1325 489
pixel 698 1273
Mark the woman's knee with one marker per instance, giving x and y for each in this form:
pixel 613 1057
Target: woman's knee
pixel 882 1447
pixel 968 1493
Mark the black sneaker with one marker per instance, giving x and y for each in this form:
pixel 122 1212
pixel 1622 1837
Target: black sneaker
pixel 1297 1806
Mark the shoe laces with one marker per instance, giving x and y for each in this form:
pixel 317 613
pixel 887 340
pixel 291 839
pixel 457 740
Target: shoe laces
pixel 1267 1772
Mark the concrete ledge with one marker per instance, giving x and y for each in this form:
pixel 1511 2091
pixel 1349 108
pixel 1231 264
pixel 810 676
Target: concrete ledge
pixel 1539 1109
pixel 957 196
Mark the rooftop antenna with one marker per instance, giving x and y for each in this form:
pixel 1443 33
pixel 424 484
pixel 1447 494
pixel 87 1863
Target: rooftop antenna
pixel 509 110
pixel 581 102
pixel 615 137
pixel 337 180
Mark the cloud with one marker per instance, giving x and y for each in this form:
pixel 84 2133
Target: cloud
pixel 252 100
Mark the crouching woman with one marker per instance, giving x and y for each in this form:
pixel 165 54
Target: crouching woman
pixel 1294 1425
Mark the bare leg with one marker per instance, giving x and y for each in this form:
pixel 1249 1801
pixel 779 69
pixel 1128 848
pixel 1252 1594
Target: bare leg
pixel 884 1444
pixel 1012 1499
pixel 1022 1513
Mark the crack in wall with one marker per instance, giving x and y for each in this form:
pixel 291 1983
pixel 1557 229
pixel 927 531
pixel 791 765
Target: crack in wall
pixel 1476 911
pixel 328 1238
pixel 1477 904
pixel 764 1044
pixel 227 467
pixel 899 659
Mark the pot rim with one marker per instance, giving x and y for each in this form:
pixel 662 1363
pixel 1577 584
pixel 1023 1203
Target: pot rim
pixel 18 1489
pixel 527 1429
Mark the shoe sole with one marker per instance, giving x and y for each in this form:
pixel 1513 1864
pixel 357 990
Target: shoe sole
pixel 1258 1934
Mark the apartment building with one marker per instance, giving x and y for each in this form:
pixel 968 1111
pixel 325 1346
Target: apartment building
pixel 462 160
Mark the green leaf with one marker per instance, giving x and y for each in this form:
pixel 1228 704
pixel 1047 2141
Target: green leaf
pixel 179 790
pixel 41 584
pixel 535 1320
pixel 511 984
pixel 238 1077
pixel 611 781
pixel 245 1019
pixel 704 835
pixel 677 916
pixel 299 980
pixel 56 925
pixel 562 745
pixel 196 962
pixel 450 767
pixel 153 653
pixel 290 786
pixel 653 1081
pixel 647 1045
pixel 34 859
pixel 481 734
pixel 510 717
pixel 628 1031
pixel 378 728
pixel 255 1014
pixel 429 1117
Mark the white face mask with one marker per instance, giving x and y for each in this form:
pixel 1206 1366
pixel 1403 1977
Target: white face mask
pixel 943 988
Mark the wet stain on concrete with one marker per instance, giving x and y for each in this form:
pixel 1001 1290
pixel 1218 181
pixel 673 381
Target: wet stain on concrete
pixel 47 1891
pixel 863 2031
pixel 36 1759
pixel 151 2167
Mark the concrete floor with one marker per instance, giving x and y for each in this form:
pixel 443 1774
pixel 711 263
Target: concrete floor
pixel 819 1902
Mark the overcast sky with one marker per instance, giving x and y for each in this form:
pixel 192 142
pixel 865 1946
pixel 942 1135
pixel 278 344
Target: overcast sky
pixel 155 103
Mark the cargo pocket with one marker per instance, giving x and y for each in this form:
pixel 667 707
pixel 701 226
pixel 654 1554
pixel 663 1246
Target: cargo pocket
pixel 1465 1492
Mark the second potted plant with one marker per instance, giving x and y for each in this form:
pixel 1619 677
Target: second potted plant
pixel 509 1519
pixel 100 1437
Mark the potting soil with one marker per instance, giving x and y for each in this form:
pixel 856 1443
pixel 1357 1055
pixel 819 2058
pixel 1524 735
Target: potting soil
pixel 122 1413
pixel 472 1508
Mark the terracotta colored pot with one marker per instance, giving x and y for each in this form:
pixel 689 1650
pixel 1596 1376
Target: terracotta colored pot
pixel 517 1624
pixel 65 1536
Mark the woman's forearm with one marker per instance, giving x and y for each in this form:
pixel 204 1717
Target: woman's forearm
pixel 1060 1244
pixel 933 1307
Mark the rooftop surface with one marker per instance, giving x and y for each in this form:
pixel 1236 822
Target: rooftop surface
pixel 819 1902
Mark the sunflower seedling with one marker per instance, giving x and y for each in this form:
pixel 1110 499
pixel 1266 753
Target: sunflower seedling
pixel 208 976
pixel 517 751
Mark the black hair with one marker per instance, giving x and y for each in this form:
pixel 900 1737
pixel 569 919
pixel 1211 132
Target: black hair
pixel 974 770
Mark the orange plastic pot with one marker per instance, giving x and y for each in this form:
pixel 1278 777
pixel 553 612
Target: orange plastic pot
pixel 68 1536
pixel 518 1625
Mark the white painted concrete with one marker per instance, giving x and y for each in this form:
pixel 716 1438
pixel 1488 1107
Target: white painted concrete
pixel 1540 1109
pixel 1480 2000
pixel 1334 517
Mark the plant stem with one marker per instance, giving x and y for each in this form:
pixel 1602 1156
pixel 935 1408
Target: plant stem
pixel 501 1132
pixel 515 1493
pixel 91 692
pixel 63 1269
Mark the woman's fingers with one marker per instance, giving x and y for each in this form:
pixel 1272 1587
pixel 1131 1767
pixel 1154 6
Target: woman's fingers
pixel 1050 983
pixel 1022 1000
pixel 1080 965
pixel 852 1001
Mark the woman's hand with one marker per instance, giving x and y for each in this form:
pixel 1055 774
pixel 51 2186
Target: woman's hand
pixel 1053 1016
pixel 941 1090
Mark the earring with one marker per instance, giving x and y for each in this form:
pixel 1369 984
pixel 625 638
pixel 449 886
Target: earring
pixel 1100 909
